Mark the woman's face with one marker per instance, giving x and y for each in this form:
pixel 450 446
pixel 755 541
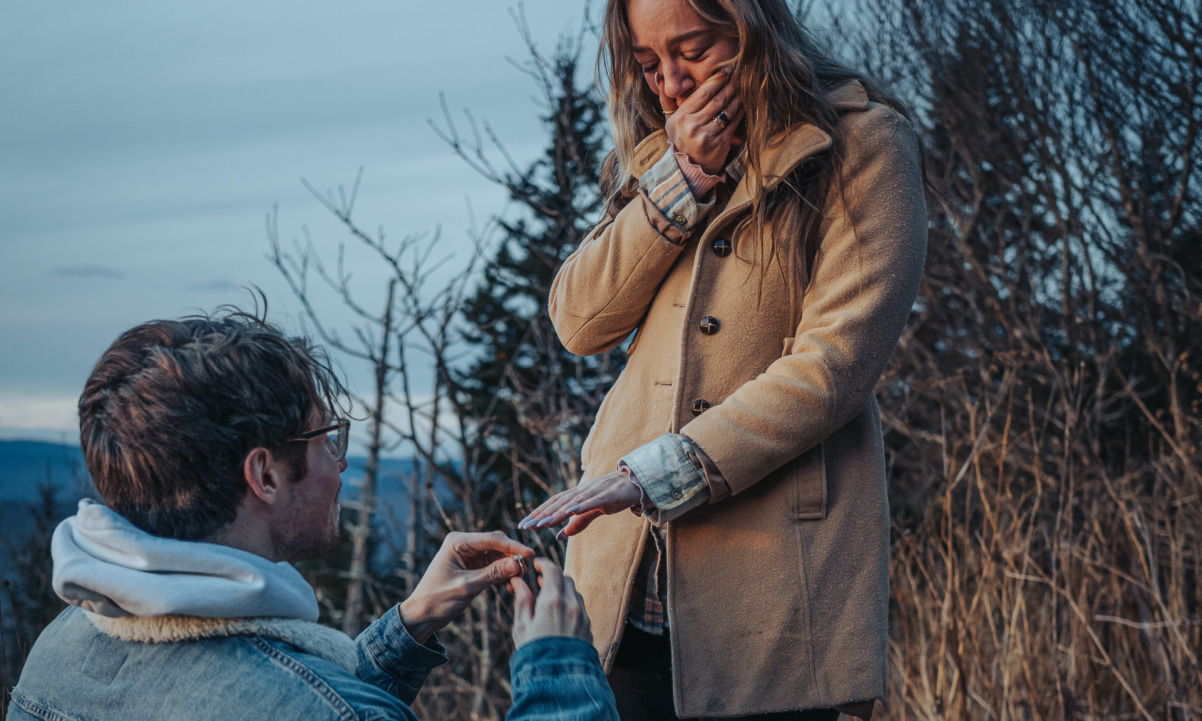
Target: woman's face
pixel 677 49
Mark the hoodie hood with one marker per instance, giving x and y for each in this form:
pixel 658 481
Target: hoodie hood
pixel 107 566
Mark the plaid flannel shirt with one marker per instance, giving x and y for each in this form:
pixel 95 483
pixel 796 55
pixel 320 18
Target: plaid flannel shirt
pixel 676 185
pixel 668 471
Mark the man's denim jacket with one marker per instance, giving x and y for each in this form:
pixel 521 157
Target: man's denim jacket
pixel 76 672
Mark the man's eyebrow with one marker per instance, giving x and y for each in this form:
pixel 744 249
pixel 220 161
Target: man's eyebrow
pixel 676 40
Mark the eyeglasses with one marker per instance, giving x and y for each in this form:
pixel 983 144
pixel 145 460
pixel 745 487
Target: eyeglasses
pixel 338 436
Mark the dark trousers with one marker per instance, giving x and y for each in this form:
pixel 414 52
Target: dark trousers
pixel 642 683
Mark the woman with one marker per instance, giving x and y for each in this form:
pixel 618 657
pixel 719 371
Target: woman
pixel 765 235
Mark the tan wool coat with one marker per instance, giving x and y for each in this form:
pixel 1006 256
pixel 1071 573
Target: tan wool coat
pixel 778 593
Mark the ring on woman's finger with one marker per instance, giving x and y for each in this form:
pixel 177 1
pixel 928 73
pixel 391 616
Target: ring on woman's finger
pixel 668 112
pixel 721 119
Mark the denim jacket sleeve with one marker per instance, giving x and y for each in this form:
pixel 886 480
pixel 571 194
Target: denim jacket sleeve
pixel 393 661
pixel 559 679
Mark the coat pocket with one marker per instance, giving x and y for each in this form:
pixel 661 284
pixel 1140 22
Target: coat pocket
pixel 809 481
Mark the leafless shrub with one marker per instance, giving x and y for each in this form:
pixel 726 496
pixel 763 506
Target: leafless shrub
pixel 1043 407
pixel 471 381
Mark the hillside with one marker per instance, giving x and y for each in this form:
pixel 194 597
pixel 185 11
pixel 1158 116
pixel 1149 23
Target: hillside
pixel 25 465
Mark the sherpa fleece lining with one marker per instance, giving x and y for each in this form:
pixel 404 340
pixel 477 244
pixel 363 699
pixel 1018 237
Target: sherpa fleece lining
pixel 315 639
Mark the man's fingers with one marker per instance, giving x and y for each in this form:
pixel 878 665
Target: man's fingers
pixel 468 544
pixel 493 574
pixel 552 579
pixel 523 600
pixel 575 603
pixel 570 594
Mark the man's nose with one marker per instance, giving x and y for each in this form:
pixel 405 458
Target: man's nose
pixel 677 82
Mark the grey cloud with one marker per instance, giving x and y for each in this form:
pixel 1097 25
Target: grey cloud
pixel 88 271
pixel 220 284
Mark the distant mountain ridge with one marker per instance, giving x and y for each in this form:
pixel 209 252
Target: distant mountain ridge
pixel 26 465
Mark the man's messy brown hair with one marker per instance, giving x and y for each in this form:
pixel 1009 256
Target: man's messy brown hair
pixel 173 407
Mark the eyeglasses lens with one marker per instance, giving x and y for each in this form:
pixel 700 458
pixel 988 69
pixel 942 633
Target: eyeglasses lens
pixel 336 440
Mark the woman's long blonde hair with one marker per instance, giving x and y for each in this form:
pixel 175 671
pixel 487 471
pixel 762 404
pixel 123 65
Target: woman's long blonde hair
pixel 783 79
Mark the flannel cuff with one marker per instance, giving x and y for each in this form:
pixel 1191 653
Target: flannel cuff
pixel 669 191
pixel 671 475
pixel 700 182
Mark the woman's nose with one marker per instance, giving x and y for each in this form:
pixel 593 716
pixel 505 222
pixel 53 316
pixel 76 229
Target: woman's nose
pixel 677 83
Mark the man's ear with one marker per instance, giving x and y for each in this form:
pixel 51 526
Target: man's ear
pixel 264 474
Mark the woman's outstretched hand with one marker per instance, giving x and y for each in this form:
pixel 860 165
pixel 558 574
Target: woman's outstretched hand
pixel 691 126
pixel 611 493
pixel 558 609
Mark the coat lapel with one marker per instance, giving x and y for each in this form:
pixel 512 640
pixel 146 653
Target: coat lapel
pixel 647 152
pixel 793 147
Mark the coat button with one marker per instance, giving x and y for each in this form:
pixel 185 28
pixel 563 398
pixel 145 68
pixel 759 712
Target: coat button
pixel 676 494
pixel 722 247
pixel 700 406
pixel 710 325
pixel 680 220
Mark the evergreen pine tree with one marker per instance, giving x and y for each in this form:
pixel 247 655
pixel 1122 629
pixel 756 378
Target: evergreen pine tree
pixel 535 400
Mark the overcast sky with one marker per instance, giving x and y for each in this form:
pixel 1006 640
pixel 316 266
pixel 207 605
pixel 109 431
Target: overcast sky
pixel 142 144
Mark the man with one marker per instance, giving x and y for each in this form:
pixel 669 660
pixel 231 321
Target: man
pixel 214 445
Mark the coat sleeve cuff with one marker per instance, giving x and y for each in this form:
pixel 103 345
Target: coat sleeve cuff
pixel 668 189
pixel 558 677
pixel 391 659
pixel 670 473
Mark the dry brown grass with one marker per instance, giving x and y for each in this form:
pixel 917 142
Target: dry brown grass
pixel 1043 408
pixel 1038 585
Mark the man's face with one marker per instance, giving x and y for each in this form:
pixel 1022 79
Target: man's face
pixel 305 521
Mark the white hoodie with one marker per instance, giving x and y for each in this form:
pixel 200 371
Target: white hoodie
pixel 107 566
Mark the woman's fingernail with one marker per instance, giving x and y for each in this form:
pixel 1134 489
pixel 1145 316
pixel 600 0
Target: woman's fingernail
pixel 728 70
pixel 549 521
pixel 572 510
pixel 561 536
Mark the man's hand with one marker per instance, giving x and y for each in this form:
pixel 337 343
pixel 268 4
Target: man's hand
pixel 611 493
pixel 466 564
pixel 558 610
pixel 691 126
